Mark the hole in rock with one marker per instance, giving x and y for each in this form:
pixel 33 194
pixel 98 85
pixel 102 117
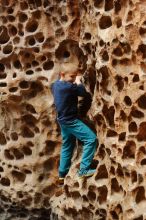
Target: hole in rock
pixel 133 176
pixel 18 155
pixel 102 173
pixel 41 177
pixel 91 196
pixel 142 101
pixel 141 87
pixel 39 37
pixel 29 119
pixel 16 40
pixel 103 191
pixel 142 31
pixel 2 139
pixel 143 162
pixel 13 89
pixel 12 30
pixel 102 213
pixel 50 146
pixel 117 6
pixel 31 26
pixel 111 133
pixel 18 176
pixel 122 136
pixel 17 64
pixel 75 194
pixel 11 18
pixel 8 49
pixel 3 75
pixel 142 50
pixel 112 170
pixel 143 67
pixel 101 43
pixel 142 132
pixel 29 72
pixel 140 178
pixel 48 65
pixel 36 14
pixel 2 84
pixel 49 164
pixel 22 17
pixel 49 190
pixel 119 22
pixel 136 113
pixel 105 22
pixel 27 151
pixel 10 10
pixel 118 51
pixel 119 171
pixel 123 115
pixel 14 136
pixel 31 41
pixel 109 114
pixel 2 67
pixel 114 62
pixel 140 194
pixel 5 181
pixel 1 169
pixel 98 3
pixel 26 171
pixel 132 127
pixel 64 18
pixel 129 150
pixel 125 62
pixel 8 155
pixel 119 83
pixel 27 132
pixel 114 186
pixel 34 63
pixel 114 215
pixel 101 152
pixel 30 108
pixel 24 84
pixel 105 56
pixel 135 78
pixel 87 36
pixel 129 16
pixel 108 5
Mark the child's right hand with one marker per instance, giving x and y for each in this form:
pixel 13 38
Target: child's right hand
pixel 78 79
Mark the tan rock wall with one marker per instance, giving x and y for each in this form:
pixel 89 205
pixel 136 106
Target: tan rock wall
pixel 108 38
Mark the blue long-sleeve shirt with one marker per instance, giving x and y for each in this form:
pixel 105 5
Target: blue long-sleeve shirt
pixel 66 99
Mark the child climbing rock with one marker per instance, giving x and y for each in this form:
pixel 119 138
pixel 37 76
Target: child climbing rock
pixel 66 91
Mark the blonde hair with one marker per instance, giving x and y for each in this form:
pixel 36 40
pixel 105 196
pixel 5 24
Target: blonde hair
pixel 69 64
pixel 69 67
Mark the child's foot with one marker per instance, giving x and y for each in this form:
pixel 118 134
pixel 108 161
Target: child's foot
pixel 86 172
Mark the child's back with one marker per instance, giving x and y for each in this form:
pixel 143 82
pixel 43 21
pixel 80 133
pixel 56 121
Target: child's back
pixel 66 99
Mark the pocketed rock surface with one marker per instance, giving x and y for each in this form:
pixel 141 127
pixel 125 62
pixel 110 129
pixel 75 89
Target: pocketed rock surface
pixel 108 37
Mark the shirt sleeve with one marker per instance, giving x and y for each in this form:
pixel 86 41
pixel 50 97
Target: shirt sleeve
pixel 79 90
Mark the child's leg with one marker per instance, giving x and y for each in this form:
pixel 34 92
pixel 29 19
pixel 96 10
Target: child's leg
pixel 82 132
pixel 68 144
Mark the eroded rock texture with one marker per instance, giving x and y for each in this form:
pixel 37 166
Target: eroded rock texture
pixel 108 37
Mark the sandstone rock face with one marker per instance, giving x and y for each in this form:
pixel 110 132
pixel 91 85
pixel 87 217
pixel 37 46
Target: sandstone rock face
pixel 108 37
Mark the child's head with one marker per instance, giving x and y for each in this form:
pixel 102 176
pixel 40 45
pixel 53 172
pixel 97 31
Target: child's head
pixel 69 71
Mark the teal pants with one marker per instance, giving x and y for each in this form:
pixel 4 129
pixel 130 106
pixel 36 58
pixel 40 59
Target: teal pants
pixel 70 131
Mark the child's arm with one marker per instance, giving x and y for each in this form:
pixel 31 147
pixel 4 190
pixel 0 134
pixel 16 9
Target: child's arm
pixel 78 87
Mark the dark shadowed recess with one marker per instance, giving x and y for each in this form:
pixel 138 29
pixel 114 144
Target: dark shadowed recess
pixel 9 210
pixel 68 48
